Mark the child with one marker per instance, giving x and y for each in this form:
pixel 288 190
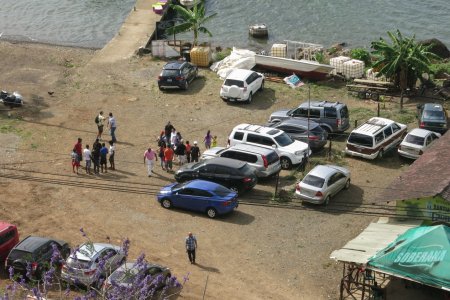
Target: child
pixel 214 141
pixel 75 160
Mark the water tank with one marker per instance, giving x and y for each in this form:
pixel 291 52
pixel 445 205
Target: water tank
pixel 201 56
pixel 338 64
pixel 353 68
pixel 278 50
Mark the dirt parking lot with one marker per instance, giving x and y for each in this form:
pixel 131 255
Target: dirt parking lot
pixel 258 252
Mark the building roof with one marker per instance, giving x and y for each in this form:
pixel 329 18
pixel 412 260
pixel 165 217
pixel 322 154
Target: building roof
pixel 428 176
pixel 373 239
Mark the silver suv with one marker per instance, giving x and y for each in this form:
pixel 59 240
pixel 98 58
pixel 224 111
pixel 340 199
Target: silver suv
pixel 266 162
pixel 331 116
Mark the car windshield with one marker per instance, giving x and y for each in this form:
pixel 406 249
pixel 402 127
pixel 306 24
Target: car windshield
pixel 19 254
pixel 222 191
pixel 344 112
pixel 317 130
pixel 360 139
pixel 170 72
pixel 247 170
pixel 178 186
pixel 414 139
pixel 79 263
pixel 124 275
pixel 433 115
pixel 231 82
pixel 314 181
pixel 283 140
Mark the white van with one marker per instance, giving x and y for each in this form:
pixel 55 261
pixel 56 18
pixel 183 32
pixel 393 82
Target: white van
pixel 291 152
pixel 374 137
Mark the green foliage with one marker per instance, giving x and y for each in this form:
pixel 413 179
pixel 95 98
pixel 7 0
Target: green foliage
pixel 193 20
pixel 439 69
pixel 319 57
pixel 361 54
pixel 222 54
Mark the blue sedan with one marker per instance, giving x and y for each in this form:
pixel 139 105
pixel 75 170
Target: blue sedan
pixel 199 195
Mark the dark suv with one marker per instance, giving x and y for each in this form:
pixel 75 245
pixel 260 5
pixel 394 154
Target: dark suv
pixel 37 251
pixel 331 116
pixel 433 116
pixel 177 74
pixel 234 174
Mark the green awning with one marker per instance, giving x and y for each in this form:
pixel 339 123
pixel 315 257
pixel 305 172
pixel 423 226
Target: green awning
pixel 421 253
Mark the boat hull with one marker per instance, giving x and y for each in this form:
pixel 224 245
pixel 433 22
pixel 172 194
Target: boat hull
pixel 304 68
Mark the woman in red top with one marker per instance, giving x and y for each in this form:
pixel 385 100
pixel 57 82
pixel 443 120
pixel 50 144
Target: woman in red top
pixel 188 151
pixel 168 157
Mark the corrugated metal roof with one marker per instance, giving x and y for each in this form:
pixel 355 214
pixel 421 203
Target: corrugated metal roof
pixel 373 239
pixel 428 176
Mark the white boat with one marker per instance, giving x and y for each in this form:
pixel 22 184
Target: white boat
pixel 258 30
pixel 304 66
pixel 188 3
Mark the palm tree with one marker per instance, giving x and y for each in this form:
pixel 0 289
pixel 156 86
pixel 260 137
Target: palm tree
pixel 193 20
pixel 404 61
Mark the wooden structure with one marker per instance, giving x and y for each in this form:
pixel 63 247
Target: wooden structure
pixel 371 89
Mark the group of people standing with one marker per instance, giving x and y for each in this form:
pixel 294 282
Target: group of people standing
pixel 98 154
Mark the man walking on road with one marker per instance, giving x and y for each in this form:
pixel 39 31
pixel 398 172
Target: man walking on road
pixel 191 245
pixel 195 152
pixel 150 157
pixel 100 123
pixel 112 127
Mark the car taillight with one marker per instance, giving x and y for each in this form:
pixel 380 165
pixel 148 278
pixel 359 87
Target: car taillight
pixel 422 125
pixel 159 77
pixel 179 78
pixel 247 179
pixel 313 138
pixel 338 122
pixel 91 272
pixel 319 194
pixel 228 142
pixel 226 203
pixel 266 163
pixel 297 187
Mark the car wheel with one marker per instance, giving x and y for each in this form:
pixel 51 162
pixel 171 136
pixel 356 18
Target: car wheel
pixel 327 129
pixel 186 85
pixel 261 88
pixel 166 203
pixel 347 184
pixel 381 153
pixel 285 163
pixel 250 96
pixel 211 212
pixel 327 201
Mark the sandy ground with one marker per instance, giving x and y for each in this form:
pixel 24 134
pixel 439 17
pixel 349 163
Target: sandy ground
pixel 256 253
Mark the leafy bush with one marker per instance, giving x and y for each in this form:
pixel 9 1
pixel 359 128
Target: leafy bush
pixel 439 69
pixel 222 54
pixel 319 57
pixel 361 54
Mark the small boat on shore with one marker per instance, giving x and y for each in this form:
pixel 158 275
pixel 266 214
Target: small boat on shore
pixel 258 30
pixel 294 57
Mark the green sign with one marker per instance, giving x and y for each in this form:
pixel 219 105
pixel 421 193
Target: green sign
pixel 431 209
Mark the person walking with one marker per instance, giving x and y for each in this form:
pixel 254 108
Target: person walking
pixel 100 121
pixel 87 158
pixel 188 152
pixel 168 157
pixel 161 155
pixel 96 155
pixel 173 138
pixel 207 140
pixel 149 158
pixel 181 153
pixel 112 152
pixel 79 149
pixel 191 246
pixel 168 131
pixel 75 160
pixel 103 155
pixel 112 125
pixel 195 152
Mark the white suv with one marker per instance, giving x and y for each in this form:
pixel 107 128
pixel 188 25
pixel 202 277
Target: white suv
pixel 241 85
pixel 291 152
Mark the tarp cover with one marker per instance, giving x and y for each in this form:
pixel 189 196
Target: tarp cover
pixel 422 254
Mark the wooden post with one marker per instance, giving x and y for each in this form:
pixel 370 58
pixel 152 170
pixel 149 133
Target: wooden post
pixel 356 123
pixel 378 109
pixel 276 184
pixel 329 148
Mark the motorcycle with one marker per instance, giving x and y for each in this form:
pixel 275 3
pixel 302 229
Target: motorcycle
pixel 11 99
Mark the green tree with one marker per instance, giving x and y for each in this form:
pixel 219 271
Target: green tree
pixel 193 20
pixel 403 61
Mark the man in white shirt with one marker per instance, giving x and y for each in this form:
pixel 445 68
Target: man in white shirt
pixel 87 159
pixel 100 123
pixel 112 124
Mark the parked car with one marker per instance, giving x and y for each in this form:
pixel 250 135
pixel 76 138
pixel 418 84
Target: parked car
pixel 331 116
pixel 124 276
pixel 266 162
pixel 291 152
pixel 241 85
pixel 9 237
pixel 36 251
pixel 433 116
pixel 81 266
pixel 416 142
pixel 199 195
pixel 322 183
pixel 299 130
pixel 233 174
pixel 374 137
pixel 177 74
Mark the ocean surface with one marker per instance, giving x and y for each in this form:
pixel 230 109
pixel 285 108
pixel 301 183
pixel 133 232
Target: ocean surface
pixel 92 23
